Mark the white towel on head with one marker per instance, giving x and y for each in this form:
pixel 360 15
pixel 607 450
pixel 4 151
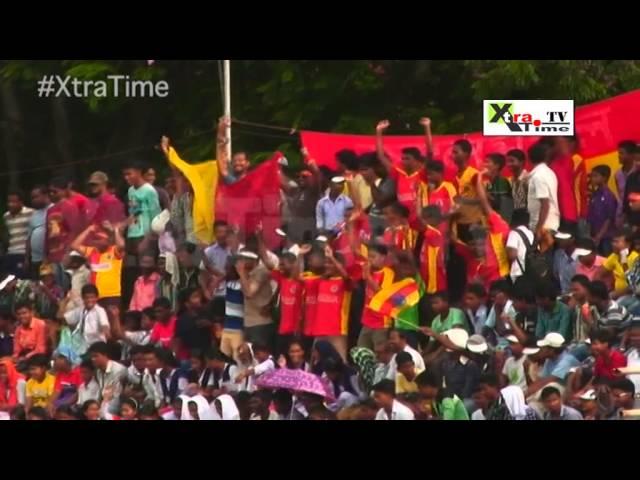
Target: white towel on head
pixel 204 410
pixel 229 408
pixel 514 399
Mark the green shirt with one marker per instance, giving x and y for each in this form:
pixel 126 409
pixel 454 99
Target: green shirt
pixel 455 318
pixel 558 320
pixel 452 408
pixel 144 204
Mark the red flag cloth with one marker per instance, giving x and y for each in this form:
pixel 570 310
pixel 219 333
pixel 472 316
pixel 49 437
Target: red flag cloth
pixel 600 127
pixel 253 199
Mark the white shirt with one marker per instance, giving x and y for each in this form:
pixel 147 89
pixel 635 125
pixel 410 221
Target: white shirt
pixel 633 360
pixel 514 371
pixel 230 384
pixel 478 415
pixel 543 184
pixel 515 241
pixel 417 360
pixel 90 391
pixel 398 412
pixel 94 320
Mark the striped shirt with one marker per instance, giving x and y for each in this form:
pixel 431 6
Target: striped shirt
pixel 18 228
pixel 234 306
pixel 615 317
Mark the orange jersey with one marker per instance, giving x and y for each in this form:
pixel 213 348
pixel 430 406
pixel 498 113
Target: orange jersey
pixel 310 282
pixel 466 187
pixel 402 237
pixel 406 188
pixel 290 303
pixel 333 304
pixel 371 319
pixel 432 261
pixel 580 185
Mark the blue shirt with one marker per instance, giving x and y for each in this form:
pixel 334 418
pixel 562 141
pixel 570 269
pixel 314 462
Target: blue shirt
pixel 37 231
pixel 234 306
pixel 217 257
pixel 329 213
pixel 564 268
pixel 145 205
pixel 559 367
pixel 603 206
pixel 566 413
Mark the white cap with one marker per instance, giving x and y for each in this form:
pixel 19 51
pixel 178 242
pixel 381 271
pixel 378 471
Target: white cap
pixel 247 254
pixel 159 223
pixel 530 350
pixel 280 232
pixel 75 253
pixel 8 279
pixel 512 339
pixel 477 344
pixel 321 238
pixel 587 340
pixel 581 252
pixel 338 180
pixel 589 395
pixel 458 337
pixel 563 236
pixel 553 340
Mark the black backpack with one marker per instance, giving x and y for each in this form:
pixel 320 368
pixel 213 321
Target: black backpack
pixel 536 266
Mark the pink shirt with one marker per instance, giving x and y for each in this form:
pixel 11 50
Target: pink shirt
pixel 163 333
pixel 589 272
pixel 28 341
pixel 144 292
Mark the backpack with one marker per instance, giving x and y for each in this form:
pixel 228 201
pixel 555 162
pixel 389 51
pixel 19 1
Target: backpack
pixel 536 266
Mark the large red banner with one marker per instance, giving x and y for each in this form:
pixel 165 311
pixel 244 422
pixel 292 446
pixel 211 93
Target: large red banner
pixel 600 126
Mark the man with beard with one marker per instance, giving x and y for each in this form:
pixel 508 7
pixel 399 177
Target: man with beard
pixel 105 206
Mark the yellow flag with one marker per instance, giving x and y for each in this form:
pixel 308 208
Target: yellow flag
pixel 203 178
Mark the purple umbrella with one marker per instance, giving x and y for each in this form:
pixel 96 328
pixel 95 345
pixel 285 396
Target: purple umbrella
pixel 297 380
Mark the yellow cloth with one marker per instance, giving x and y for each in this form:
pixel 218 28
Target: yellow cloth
pixel 203 178
pixel 41 392
pixel 405 386
pixel 619 272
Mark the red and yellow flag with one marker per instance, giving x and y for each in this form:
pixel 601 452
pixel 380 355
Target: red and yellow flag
pixel 395 298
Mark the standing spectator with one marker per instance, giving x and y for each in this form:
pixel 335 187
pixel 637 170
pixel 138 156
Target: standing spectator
pixel 214 262
pixel 105 260
pixel 163 196
pixel 469 211
pixel 80 276
pixel 145 287
pixel 104 205
pixel 302 201
pixel 16 220
pixel 330 210
pixel 520 178
pixel 542 197
pixel 181 212
pixel 562 164
pixel 64 222
pixel 626 151
pixel 81 202
pixel 239 161
pixel 564 260
pixel 521 240
pixel 602 209
pixel 37 233
pixel 357 188
pixel 382 188
pixel 441 193
pixel 144 205
pixel 498 187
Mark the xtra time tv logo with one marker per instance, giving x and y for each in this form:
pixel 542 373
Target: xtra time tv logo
pixel 528 117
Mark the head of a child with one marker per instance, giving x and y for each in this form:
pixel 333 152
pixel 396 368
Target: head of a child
pixel 86 371
pixel 90 410
pixel 598 295
pixel 193 409
pixel 89 294
pixel 176 406
pixel 132 321
pixel 474 296
pixel 377 255
pixel 478 242
pixel 102 240
pixel 500 292
pixel 147 264
pixel 494 163
pixel 288 262
pixel 523 297
pixel 600 176
pixel 316 261
pixel 38 413
pixel 283 402
pixel 137 353
pixel 480 401
pixel 461 152
pixel 600 342
pixel 38 366
pixel 515 161
pixel 552 400
pixel 580 288
pixel 151 360
pixel 197 361
pixel 411 159
pixel 162 309
pixel 216 360
pixel 192 299
pixel 259 402
pixel 147 319
pixel 261 352
pixel 129 409
pixel 396 214
pixel 623 391
pixel 403 265
pixel 440 302
pixel 61 364
pixel 384 393
pixel 47 276
pixel 432 215
pixel 99 353
pixel 490 386
pixel 330 269
pixel 405 365
pixel 435 172
pixel 621 241
pixel 429 384
pixel 546 295
pixel 184 254
pixel 519 217
pixel 24 313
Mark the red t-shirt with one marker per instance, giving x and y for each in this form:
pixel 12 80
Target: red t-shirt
pixel 334 302
pixel 107 207
pixel 371 319
pixel 352 263
pixel 63 224
pixel 163 333
pixel 69 379
pixel 310 282
pixel 564 170
pixel 406 188
pixel 402 237
pixel 290 303
pixel 604 366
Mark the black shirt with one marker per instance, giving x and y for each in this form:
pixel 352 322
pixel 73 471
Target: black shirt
pixel 631 186
pixel 192 336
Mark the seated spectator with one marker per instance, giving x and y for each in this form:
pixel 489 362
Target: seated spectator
pixel 554 408
pixel 390 409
